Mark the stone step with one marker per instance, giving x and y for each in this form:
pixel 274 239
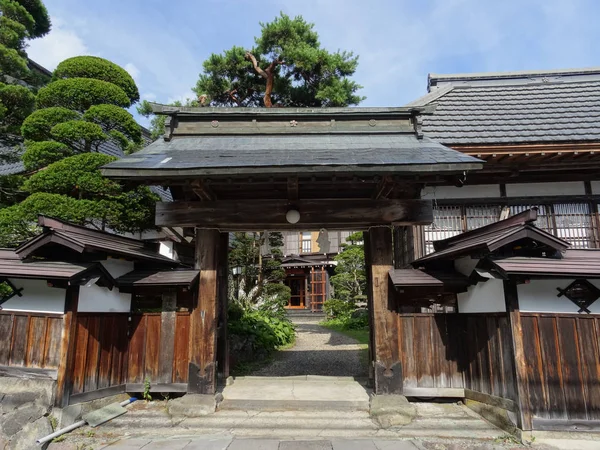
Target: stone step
pixel 295 394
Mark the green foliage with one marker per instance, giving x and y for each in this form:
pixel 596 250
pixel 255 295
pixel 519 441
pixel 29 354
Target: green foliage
pixel 338 308
pixel 259 332
pixel 12 10
pixel 349 281
pixel 98 69
pixel 38 11
pixel 41 154
pixel 146 394
pixel 18 102
pixel 157 123
pixel 77 176
pixel 303 72
pixel 12 34
pixel 38 125
pixel 79 134
pixel 18 222
pixel 11 62
pixel 80 94
pixel 112 118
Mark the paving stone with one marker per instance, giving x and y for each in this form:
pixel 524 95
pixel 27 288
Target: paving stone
pixel 171 444
pixel 129 444
pixel 254 444
pixel 382 444
pixel 209 443
pixel 305 445
pixel 355 444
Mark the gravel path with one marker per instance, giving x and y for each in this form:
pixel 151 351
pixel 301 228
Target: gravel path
pixel 318 351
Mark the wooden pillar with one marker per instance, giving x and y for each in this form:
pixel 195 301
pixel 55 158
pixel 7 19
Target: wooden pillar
pixel 514 315
pixel 204 316
pixel 404 246
pixel 223 274
pixel 168 318
pixel 64 380
pixel 388 368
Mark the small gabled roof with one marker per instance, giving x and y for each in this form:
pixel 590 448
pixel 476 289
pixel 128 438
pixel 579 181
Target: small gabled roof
pixel 414 278
pixel 513 107
pixel 492 237
pixel 86 240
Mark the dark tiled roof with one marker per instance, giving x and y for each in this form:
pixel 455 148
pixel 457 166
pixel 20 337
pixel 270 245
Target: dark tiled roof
pixel 513 108
pixel 84 239
pixel 158 278
pixel 227 154
pixel 9 157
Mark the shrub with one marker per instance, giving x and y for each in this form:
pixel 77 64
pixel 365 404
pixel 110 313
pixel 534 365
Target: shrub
pixel 41 154
pixel 80 94
pixel 38 125
pixel 338 308
pixel 99 69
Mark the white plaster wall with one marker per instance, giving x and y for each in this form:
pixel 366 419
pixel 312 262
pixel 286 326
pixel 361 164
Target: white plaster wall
pixel 541 189
pixel 541 296
pixel 100 299
pixel 483 297
pixel 165 248
pixel 445 192
pixel 37 296
pixel 117 267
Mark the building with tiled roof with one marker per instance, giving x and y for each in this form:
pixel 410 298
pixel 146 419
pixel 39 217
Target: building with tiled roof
pixel 539 133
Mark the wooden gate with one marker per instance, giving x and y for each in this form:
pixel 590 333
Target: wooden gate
pixel 318 288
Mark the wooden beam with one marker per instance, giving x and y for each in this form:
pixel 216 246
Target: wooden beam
pixel 203 192
pixel 384 188
pixel 388 367
pixel 67 348
pixel 292 188
pixel 168 317
pixel 524 417
pixel 203 317
pixel 222 339
pixel 404 246
pixel 252 215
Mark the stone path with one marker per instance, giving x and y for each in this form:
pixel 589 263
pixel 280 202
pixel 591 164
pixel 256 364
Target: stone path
pixel 318 351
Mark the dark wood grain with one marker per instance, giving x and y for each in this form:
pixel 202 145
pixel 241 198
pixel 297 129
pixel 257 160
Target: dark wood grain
pixel 231 215
pixel 36 337
pixel 571 369
pixel 19 340
pixel 151 357
pixel 137 345
pixel 6 332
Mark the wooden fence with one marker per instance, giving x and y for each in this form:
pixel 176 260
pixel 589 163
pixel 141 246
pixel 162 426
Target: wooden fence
pixel 30 340
pixel 448 354
pixel 563 372
pixel 119 352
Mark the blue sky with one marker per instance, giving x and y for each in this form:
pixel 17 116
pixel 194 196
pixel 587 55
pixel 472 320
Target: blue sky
pixel 163 44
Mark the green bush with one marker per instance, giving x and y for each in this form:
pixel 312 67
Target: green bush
pixel 80 94
pixel 38 125
pixel 338 308
pixel 42 154
pixel 255 334
pixel 99 69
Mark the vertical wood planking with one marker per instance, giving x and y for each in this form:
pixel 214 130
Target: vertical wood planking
pixel 168 321
pixel 6 332
pixel 424 355
pixel 108 332
pixel 81 343
pixel 548 367
pixel 181 348
pixel 571 369
pixel 590 361
pixel 19 340
pixel 137 341
pixel 93 354
pixel 152 345
pixel 407 342
pixel 223 306
pixel 508 361
pixel 36 334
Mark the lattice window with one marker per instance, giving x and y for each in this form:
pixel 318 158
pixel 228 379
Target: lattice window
pixel 544 216
pixel 447 222
pixel 574 224
pixel 480 216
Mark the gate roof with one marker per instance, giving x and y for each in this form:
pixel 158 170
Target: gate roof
pixel 216 142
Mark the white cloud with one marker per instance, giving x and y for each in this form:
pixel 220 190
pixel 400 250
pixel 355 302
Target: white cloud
pixel 183 98
pixel 61 43
pixel 133 70
pixel 150 96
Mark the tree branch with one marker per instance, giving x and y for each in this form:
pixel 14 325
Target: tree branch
pixel 261 72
